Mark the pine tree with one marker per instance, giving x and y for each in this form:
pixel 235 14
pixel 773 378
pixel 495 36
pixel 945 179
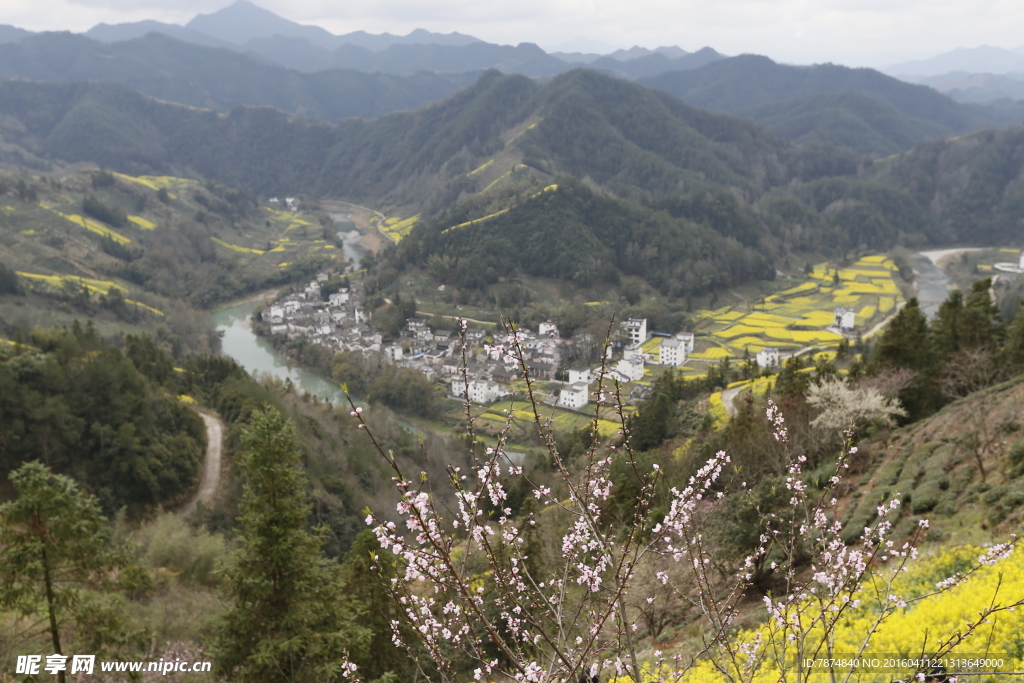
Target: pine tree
pixel 906 343
pixel 366 570
pixel 290 619
pixel 55 547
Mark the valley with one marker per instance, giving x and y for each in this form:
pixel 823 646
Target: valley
pixel 439 358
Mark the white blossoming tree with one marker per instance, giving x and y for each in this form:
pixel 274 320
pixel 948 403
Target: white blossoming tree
pixel 479 602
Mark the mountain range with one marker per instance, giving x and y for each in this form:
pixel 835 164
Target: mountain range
pixel 751 158
pixel 862 109
pixel 246 28
pixel 982 59
pixel 219 79
pixel 859 108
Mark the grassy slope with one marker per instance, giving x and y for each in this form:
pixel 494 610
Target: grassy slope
pixel 168 259
pixel 935 466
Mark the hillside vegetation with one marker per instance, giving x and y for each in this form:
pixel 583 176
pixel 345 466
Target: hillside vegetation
pixel 859 108
pixel 142 253
pixel 493 148
pixel 218 78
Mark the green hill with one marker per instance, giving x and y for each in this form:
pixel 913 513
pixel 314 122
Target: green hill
pixel 142 253
pixel 491 147
pixel 218 78
pixel 749 84
pixel 963 468
pixel 971 185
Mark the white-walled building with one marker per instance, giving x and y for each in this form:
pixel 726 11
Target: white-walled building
pixel 339 298
pixel 846 319
pixel 687 339
pixel 577 375
pixel 768 358
pixel 485 391
pixel 633 368
pixel 574 396
pixel 547 329
pixel 672 353
pixel 636 330
pixel 395 353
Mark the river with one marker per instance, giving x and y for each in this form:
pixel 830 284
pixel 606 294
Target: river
pixel 258 356
pixel 932 283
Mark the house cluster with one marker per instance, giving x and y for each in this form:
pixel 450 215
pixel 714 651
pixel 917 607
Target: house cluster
pixel 489 377
pixel 673 352
pixel 339 322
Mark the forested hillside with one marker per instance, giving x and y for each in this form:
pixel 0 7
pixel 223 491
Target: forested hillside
pixel 80 406
pixel 499 143
pixel 859 108
pixel 218 78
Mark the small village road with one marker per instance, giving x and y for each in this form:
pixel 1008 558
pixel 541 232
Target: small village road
pixel 210 478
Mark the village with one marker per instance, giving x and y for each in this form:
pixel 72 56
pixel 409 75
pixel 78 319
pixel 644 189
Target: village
pixel 326 313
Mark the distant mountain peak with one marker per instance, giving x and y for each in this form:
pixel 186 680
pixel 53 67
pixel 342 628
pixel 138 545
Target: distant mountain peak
pixel 981 59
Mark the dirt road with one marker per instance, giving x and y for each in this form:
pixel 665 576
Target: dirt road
pixel 210 477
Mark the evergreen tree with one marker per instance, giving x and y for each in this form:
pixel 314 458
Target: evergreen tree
pixel 366 570
pixel 290 619
pixel 982 326
pixel 947 328
pixel 1013 349
pixel 55 547
pixel 906 344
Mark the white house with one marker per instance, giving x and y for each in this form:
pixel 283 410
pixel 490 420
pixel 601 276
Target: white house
pixel 547 329
pixel 672 353
pixel 574 396
pixel 846 319
pixel 633 368
pixel 338 298
pixel 485 391
pixel 637 330
pixel 577 375
pixel 687 339
pixel 292 306
pixel 394 352
pixel 768 358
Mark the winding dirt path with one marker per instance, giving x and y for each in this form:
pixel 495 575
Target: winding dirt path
pixel 728 396
pixel 211 465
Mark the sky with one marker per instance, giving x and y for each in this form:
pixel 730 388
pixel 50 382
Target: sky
pixel 851 32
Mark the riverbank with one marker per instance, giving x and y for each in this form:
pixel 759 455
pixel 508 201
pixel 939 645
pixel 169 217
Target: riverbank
pixel 258 298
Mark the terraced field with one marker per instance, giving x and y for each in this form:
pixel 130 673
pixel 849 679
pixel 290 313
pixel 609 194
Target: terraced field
pixel 397 228
pixel 67 260
pixel 798 317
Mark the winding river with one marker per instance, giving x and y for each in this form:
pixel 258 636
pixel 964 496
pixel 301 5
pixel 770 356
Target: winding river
pixel 258 356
